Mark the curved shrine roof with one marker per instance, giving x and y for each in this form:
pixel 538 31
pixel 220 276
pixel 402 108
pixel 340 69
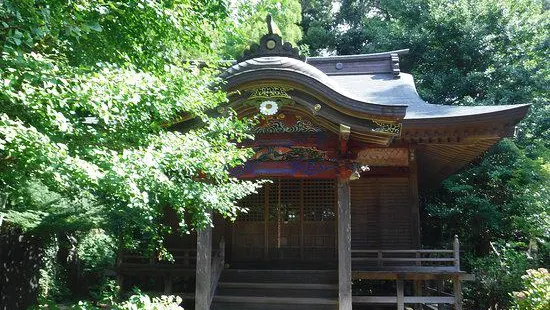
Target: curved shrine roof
pixel 378 103
pixel 367 83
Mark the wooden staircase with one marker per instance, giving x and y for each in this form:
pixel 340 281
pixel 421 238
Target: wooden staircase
pixel 242 289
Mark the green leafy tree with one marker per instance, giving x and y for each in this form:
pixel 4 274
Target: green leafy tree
pixel 466 52
pixel 89 95
pixel 317 24
pixel 248 23
pixel 87 100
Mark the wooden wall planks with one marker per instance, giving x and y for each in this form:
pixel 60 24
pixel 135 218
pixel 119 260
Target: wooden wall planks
pixel 381 213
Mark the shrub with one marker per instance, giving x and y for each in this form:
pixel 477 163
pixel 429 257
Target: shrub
pixel 536 293
pixel 138 301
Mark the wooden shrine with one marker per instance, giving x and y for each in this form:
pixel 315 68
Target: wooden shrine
pixel 346 142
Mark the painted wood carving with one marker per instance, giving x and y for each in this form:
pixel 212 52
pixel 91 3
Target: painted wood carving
pixel 285 123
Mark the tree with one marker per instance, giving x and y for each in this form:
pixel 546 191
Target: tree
pixel 86 103
pixel 317 24
pixel 465 52
pixel 249 23
pixel 88 93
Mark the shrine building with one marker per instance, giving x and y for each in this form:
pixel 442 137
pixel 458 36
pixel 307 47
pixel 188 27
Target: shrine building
pixel 347 143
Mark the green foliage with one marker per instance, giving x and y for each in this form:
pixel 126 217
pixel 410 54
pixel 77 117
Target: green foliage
pixel 536 295
pixel 52 280
pixel 317 24
pixel 92 147
pixel 96 251
pixel 504 197
pixel 465 52
pixel 502 205
pixel 138 300
pixel 248 23
pixel 496 276
pixel 88 91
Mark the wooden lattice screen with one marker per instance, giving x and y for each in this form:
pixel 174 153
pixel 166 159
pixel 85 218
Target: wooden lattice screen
pixel 288 220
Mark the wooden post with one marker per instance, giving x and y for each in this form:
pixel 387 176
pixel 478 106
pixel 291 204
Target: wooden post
pixel 168 281
pixel 204 269
pixel 344 245
pixel 415 208
pixel 439 293
pixel 302 241
pixel 456 248
pixel 457 291
pixel 457 286
pixel 266 222
pixel 416 283
pixel 400 294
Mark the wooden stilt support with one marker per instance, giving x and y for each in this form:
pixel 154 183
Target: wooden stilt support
pixel 400 294
pixel 204 269
pixel 439 293
pixel 168 280
pixel 457 291
pixel 457 286
pixel 344 245
pixel 417 292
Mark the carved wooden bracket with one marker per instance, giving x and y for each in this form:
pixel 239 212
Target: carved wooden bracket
pixel 345 131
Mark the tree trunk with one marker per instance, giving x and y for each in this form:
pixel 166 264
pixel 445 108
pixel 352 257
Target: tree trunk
pixel 20 260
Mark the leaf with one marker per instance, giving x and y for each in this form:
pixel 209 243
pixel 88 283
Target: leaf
pixel 95 27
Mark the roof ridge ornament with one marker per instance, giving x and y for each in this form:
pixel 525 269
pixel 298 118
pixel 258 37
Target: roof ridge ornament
pixel 271 45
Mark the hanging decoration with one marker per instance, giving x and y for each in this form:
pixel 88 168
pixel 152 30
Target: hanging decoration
pixel 269 107
pixel 270 99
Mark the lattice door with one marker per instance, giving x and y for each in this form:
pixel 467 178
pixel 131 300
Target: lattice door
pixel 289 220
pixel 319 225
pixel 249 229
pixel 284 220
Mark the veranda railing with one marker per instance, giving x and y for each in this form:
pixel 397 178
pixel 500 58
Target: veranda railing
pixel 416 265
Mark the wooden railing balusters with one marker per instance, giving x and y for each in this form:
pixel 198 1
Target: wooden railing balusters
pixel 414 265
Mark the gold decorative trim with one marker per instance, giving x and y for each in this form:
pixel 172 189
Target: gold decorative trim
pixel 270 92
pixel 387 127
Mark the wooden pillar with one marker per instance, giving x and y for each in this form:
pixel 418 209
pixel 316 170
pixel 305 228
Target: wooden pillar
pixel 457 286
pixel 266 221
pixel 168 282
pixel 417 287
pixel 204 269
pixel 439 293
pixel 344 245
pixel 415 208
pixel 457 291
pixel 400 294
